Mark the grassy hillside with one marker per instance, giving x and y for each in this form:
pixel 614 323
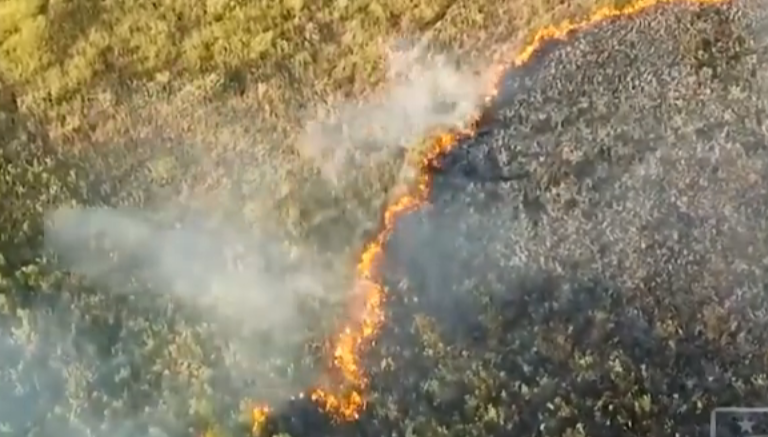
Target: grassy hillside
pixel 191 109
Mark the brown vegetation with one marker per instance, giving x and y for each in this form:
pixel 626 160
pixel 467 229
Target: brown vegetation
pixel 147 104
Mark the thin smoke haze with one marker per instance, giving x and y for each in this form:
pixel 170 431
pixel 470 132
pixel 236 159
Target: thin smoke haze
pixel 424 92
pixel 259 293
pixel 256 292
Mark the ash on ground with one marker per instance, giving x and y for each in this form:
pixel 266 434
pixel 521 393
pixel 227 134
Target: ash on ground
pixel 594 260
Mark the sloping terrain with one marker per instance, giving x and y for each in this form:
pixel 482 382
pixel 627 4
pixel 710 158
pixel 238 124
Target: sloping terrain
pixel 591 261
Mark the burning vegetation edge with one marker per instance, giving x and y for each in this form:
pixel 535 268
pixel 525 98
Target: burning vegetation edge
pixel 346 403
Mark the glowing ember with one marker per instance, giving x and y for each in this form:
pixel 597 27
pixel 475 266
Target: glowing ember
pixel 260 416
pixel 347 403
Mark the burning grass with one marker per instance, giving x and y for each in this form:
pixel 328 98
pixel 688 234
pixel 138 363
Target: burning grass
pixel 347 356
pixel 408 358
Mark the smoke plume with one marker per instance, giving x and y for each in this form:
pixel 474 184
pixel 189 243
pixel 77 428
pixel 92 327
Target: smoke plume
pixel 424 91
pixel 259 303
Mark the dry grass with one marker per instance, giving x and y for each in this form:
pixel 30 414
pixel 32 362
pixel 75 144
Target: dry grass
pixel 149 103
pixel 231 75
pixel 60 55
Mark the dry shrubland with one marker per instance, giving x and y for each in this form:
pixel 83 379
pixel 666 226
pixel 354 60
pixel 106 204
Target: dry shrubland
pixel 186 189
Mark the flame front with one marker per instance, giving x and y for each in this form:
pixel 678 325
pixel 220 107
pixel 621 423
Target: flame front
pixel 352 339
pixel 347 403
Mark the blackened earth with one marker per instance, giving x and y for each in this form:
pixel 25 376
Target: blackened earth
pixel 593 262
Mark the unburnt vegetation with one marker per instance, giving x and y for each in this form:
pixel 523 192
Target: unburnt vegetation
pixel 173 249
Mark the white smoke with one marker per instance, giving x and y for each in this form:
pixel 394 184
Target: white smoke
pixel 424 92
pixel 261 293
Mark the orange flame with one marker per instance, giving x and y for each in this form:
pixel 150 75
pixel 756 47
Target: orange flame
pixel 347 403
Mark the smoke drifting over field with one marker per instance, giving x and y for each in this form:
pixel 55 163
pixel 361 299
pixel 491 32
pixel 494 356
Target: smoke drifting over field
pixel 424 91
pixel 606 225
pixel 258 296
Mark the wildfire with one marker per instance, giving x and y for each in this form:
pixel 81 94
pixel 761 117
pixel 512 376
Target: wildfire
pixel 347 403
